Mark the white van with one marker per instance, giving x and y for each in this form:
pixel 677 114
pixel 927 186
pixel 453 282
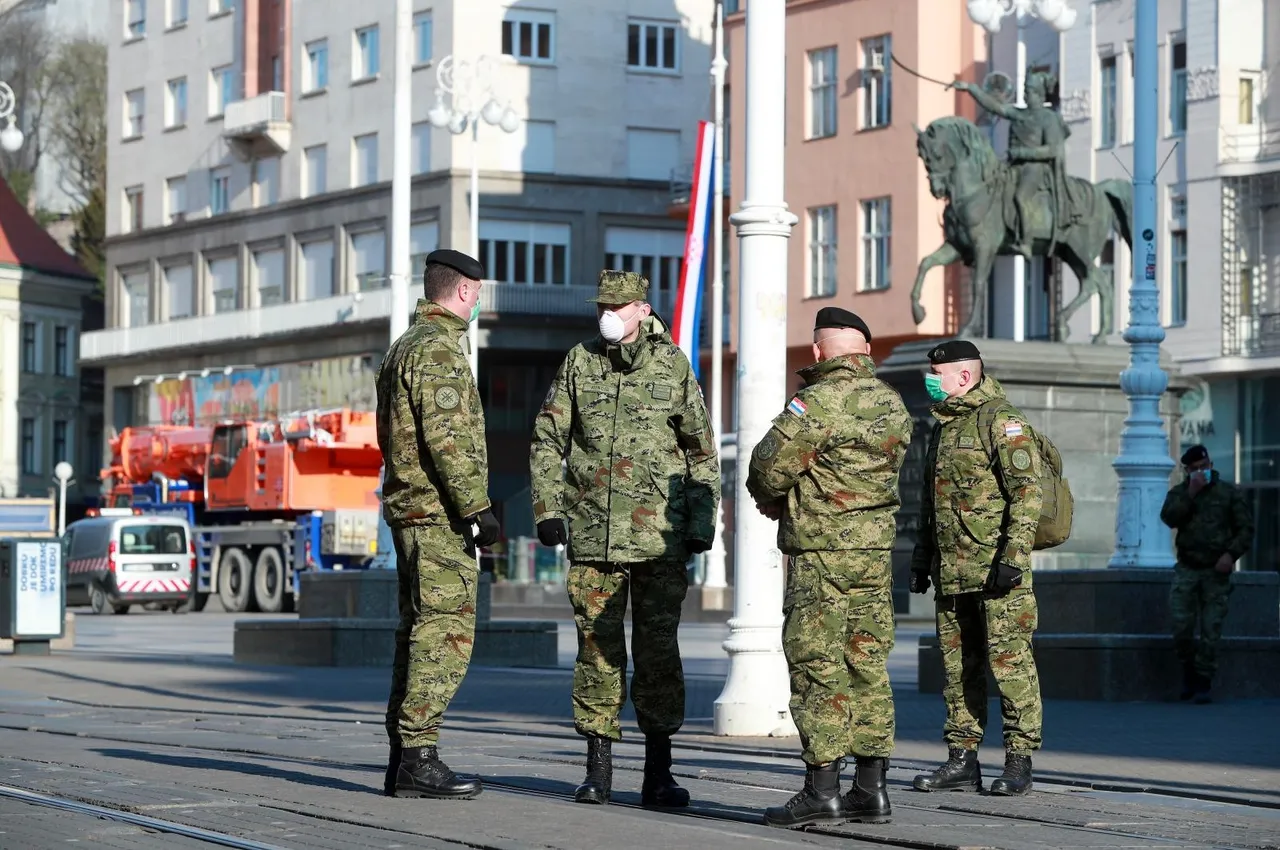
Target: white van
pixel 115 562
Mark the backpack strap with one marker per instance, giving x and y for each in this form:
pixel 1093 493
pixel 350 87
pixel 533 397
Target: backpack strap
pixel 987 414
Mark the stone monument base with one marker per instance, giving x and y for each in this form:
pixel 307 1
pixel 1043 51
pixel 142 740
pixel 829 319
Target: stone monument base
pixel 349 619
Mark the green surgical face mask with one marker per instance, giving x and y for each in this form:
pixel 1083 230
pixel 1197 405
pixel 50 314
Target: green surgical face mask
pixel 475 311
pixel 933 386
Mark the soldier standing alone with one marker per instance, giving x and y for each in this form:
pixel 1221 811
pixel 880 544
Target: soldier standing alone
pixel 434 490
pixel 638 496
pixel 829 469
pixel 980 506
pixel 1215 529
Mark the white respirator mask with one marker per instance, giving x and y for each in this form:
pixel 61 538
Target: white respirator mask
pixel 613 328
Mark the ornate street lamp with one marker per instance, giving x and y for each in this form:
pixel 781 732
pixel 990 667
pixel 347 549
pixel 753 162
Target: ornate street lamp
pixel 10 136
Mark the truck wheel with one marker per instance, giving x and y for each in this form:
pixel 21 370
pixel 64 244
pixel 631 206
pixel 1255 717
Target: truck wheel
pixel 121 609
pixel 269 581
pixel 235 581
pixel 98 599
pixel 196 602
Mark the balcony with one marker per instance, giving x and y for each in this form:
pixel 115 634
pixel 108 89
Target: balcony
pixel 1248 145
pixel 258 126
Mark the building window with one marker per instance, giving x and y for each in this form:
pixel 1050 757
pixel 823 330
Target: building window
pixel 177 12
pixel 135 109
pixel 1178 89
pixel 179 291
pixel 137 297
pixel 822 93
pixel 29 446
pixel 365 56
pixel 1107 102
pixel 315 66
pixel 277 73
pixel 652 154
pixel 369 260
pixel 316 273
pixel 224 284
pixel 1178 278
pixel 364 160
pixel 221 7
pixel 268 274
pixel 653 46
pixel 420 148
pixel 656 254
pixel 529 36
pixel 30 348
pixel 876 235
pixel 136 19
pixel 266 181
pixel 175 199
pixel 877 100
pixel 315 171
pixel 61 449
pixel 531 149
pixel 221 88
pixel 219 191
pixel 424 237
pixel 175 104
pixel 529 253
pixel 1248 105
pixel 822 252
pixel 133 209
pixel 62 351
pixel 422 38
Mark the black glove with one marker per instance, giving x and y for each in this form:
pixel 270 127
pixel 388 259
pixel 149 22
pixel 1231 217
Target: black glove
pixel 696 546
pixel 490 530
pixel 1002 579
pixel 919 581
pixel 552 532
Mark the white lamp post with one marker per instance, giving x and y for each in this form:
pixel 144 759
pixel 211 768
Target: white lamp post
pixel 470 87
pixel 62 472
pixel 988 14
pixel 10 136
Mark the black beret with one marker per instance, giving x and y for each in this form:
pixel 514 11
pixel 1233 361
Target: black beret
pixel 953 351
pixel 458 261
pixel 1195 454
pixel 837 317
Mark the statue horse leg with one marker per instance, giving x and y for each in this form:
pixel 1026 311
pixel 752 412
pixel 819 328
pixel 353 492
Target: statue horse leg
pixel 983 261
pixel 944 256
pixel 1087 274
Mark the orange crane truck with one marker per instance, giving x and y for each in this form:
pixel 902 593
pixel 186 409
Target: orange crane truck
pixel 265 499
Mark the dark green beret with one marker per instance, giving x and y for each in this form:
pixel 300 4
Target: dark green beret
pixel 838 317
pixel 953 351
pixel 463 264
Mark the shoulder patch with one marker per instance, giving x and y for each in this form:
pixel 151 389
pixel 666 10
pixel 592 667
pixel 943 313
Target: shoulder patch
pixel 551 394
pixel 447 398
pixel 797 407
pixel 1021 460
pixel 1013 429
pixel 768 446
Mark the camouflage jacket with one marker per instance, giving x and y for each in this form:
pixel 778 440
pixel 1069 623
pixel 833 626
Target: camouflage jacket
pixel 430 425
pixel 1214 522
pixel 833 457
pixel 976 510
pixel 623 450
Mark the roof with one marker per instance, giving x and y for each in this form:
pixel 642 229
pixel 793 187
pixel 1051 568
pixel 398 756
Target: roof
pixel 24 243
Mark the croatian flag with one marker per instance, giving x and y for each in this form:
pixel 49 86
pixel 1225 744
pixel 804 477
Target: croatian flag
pixel 688 312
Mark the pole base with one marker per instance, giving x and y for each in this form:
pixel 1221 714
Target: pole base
pixel 756 696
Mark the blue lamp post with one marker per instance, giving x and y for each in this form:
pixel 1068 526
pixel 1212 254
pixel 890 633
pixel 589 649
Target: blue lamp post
pixel 1144 464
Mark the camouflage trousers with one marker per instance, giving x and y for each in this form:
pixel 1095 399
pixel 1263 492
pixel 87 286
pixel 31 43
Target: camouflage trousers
pixel 837 636
pixel 1198 594
pixel 437 626
pixel 973 631
pixel 598 593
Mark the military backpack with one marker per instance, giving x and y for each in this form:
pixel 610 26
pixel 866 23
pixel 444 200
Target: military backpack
pixel 1057 503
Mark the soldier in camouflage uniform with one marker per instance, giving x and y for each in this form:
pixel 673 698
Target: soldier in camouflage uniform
pixel 829 468
pixel 637 495
pixel 435 499
pixel 1215 529
pixel 980 506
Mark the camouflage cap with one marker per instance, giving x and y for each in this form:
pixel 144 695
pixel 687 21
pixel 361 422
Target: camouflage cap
pixel 619 287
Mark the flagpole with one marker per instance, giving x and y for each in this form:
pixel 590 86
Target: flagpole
pixel 714 577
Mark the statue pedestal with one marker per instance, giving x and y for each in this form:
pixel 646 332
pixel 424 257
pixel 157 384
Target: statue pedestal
pixel 1103 634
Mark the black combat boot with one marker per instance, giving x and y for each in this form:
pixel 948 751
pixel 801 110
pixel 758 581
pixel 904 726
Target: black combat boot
pixel 599 782
pixel 819 802
pixel 660 788
pixel 423 774
pixel 1016 779
pixel 868 801
pixel 393 767
pixel 961 772
pixel 1190 682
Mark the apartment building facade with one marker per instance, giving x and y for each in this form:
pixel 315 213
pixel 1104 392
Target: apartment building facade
pixel 249 162
pixel 1218 224
pixel 852 174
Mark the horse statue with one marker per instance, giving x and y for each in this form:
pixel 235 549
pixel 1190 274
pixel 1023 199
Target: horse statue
pixel 986 217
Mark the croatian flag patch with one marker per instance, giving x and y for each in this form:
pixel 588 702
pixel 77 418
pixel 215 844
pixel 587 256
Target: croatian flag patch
pixel 797 407
pixel 1012 429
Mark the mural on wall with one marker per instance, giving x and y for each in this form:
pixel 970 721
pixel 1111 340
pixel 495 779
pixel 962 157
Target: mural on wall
pixel 261 393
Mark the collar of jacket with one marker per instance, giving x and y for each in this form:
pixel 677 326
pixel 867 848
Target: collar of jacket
pixel 861 365
pixel 628 357
pixel 960 406
pixel 431 312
